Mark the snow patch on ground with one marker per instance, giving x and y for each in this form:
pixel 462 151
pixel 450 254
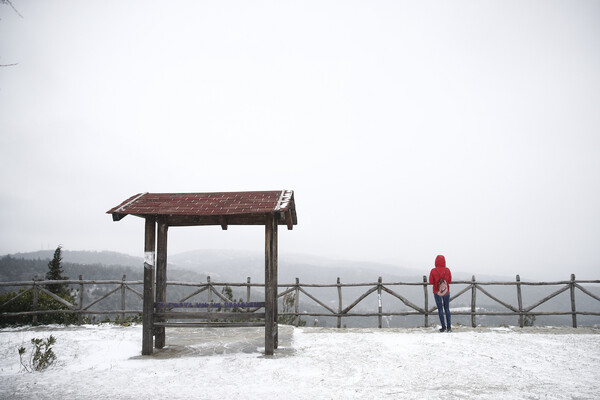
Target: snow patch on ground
pixel 104 362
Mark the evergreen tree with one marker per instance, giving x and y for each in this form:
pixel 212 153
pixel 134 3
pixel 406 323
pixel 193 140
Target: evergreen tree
pixel 54 273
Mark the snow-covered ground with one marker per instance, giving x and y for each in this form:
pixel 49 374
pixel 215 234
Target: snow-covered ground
pixel 104 362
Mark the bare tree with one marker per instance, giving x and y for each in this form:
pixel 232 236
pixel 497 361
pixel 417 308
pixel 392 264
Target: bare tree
pixel 8 2
pixel 11 6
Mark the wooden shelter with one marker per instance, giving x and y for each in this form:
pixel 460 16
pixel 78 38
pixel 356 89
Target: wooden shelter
pixel 164 210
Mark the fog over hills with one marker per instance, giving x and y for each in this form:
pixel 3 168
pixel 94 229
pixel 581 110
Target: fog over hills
pixel 237 265
pixel 85 257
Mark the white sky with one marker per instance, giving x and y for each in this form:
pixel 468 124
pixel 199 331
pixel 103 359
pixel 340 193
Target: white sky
pixel 406 129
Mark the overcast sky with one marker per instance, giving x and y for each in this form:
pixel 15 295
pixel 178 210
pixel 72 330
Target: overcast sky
pixel 405 129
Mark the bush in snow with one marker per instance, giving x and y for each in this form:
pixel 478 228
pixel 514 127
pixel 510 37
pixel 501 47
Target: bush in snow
pixel 41 356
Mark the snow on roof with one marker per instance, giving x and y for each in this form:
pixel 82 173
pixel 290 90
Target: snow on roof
pixel 201 206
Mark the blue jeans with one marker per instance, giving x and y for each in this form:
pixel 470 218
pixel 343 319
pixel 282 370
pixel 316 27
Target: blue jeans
pixel 443 305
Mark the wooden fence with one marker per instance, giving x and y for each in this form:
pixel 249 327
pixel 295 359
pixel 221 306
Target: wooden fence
pixel 297 291
pixel 471 287
pixel 80 308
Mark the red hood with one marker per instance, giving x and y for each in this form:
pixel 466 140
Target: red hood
pixel 440 262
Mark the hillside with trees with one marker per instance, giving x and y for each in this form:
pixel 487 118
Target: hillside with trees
pixel 235 267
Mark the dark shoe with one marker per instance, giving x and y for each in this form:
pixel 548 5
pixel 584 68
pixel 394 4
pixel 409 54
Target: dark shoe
pixel 449 330
pixel 443 329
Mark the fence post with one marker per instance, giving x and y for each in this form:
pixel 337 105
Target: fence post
pixel 248 293
pixel 473 302
pixel 34 319
pixel 520 301
pixel 426 301
pixel 209 291
pixel 339 289
pixel 123 299
pixel 80 315
pixel 573 309
pixel 297 302
pixel 379 301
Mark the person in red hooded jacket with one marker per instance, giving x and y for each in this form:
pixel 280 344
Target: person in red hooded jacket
pixel 441 299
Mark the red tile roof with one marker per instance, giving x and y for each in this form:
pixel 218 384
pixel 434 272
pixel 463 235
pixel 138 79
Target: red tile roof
pixel 206 204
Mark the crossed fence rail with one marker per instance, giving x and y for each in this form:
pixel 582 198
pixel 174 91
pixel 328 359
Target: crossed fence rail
pixel 299 290
pixel 80 308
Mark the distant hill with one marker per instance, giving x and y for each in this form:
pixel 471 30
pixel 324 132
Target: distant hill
pixel 85 257
pixel 91 264
pixel 229 266
pixel 237 265
pixel 234 265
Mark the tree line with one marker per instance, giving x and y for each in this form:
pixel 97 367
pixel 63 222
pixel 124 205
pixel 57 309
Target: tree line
pixel 24 299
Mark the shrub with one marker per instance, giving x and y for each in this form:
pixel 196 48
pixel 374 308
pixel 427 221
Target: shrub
pixel 528 320
pixel 25 303
pixel 128 320
pixel 41 356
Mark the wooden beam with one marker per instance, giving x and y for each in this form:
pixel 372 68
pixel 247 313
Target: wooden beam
pixel 223 223
pixel 270 288
pixel 520 302
pixel 289 220
pixel 217 315
pixel 117 217
pixel 216 220
pixel 161 325
pixel 473 302
pixel 57 298
pixel 425 311
pixel 573 309
pixel 275 279
pixel 161 278
pixel 148 302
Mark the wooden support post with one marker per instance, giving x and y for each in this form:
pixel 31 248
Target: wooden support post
pixel 148 313
pixel 473 302
pixel 276 281
pixel 520 302
pixel 148 306
pixel 80 306
pixel 426 301
pixel 161 278
pixel 573 309
pixel 339 289
pixel 379 307
pixel 270 286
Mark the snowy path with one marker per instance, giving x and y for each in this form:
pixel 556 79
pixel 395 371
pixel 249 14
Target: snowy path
pixel 103 362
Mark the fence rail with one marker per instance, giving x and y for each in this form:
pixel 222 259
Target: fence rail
pixel 80 308
pixel 297 291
